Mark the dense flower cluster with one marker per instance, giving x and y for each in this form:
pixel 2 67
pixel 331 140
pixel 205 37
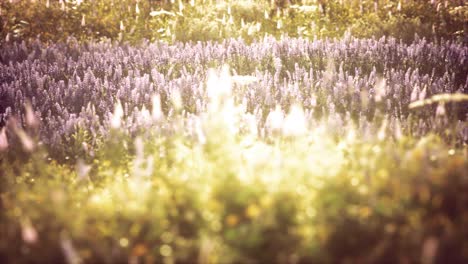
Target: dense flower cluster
pixel 357 81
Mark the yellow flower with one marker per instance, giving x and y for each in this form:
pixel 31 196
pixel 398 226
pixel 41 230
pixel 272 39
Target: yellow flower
pixel 252 211
pixel 232 220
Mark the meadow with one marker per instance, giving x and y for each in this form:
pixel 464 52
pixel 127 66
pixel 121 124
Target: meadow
pixel 233 132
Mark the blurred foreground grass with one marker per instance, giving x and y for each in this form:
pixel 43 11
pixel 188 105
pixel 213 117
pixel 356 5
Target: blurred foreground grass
pixel 223 194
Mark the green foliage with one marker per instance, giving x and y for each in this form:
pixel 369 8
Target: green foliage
pixel 209 20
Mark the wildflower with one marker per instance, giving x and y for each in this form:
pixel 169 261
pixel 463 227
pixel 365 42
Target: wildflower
pixel 252 211
pixel 116 120
pixel 28 232
pixel 279 24
pixel 137 9
pixel 364 96
pixel 165 250
pixel 123 242
pixel 440 111
pixel 31 119
pixel 398 130
pixel 380 90
pixel 414 94
pixel 274 121
pixel 3 140
pixel 26 141
pixel 181 7
pixel 422 94
pixel 250 124
pixel 176 99
pixel 139 149
pixel 383 130
pixel 144 117
pixel 218 87
pixel 69 250
pixel 295 123
pixel 429 250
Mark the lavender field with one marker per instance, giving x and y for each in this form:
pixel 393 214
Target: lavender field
pixel 272 150
pixel 364 83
